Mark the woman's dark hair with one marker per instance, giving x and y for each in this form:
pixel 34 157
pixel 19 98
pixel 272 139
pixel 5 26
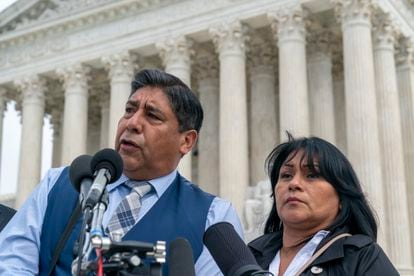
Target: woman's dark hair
pixel 183 101
pixel 334 167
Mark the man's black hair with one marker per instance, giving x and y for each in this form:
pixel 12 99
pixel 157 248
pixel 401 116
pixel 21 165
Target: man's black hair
pixel 183 101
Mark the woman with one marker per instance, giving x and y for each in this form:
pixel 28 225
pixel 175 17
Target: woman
pixel 318 202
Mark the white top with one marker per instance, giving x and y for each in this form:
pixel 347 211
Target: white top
pixel 304 254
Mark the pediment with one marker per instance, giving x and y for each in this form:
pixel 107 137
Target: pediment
pixel 25 15
pixel 29 13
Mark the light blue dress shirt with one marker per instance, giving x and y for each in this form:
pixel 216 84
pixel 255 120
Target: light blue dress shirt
pixel 304 254
pixel 20 239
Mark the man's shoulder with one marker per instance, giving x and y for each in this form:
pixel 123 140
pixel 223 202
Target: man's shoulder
pixel 193 186
pixel 53 175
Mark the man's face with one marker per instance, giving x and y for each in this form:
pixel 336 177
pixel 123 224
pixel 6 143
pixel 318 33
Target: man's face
pixel 147 138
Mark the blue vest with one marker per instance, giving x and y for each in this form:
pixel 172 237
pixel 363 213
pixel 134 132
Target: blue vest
pixel 180 212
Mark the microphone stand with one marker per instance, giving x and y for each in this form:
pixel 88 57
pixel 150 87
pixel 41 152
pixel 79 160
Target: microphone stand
pixel 124 255
pixel 98 212
pixel 91 227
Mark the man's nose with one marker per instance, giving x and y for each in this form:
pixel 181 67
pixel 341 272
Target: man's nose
pixel 134 123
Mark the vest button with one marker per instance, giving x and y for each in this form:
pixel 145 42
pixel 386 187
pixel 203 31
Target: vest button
pixel 316 270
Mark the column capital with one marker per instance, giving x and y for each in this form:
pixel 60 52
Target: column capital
pixel 262 51
pixel 206 64
pixel 32 88
pixel 353 11
pixel 119 65
pixel 405 52
pixel 176 50
pixel 289 23
pixel 230 37
pixel 384 31
pixel 75 75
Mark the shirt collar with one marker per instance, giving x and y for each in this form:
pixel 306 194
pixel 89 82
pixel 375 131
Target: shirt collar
pixel 159 184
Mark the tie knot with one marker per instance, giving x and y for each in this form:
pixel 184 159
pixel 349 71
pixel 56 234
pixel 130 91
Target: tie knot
pixel 140 187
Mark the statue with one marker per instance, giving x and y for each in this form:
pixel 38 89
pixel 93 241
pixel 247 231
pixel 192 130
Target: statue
pixel 257 207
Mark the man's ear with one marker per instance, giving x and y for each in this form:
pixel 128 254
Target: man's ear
pixel 188 140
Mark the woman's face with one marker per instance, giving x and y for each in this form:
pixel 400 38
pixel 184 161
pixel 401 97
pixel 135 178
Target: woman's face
pixel 304 199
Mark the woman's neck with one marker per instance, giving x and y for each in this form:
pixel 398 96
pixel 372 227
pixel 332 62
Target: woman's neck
pixel 292 238
pixel 293 241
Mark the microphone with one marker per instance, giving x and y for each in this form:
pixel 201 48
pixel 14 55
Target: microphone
pixel 107 166
pixel 81 176
pixel 229 251
pixel 180 258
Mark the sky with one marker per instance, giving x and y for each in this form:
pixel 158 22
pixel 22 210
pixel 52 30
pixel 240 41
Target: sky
pixel 10 144
pixel 5 3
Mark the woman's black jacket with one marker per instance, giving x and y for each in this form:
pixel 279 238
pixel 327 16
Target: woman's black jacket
pixel 354 255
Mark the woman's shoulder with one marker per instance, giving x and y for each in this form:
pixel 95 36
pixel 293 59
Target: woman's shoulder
pixel 264 248
pixel 358 241
pixel 262 242
pixel 366 256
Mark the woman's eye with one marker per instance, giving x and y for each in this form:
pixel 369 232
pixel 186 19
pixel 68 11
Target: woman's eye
pixel 285 175
pixel 313 175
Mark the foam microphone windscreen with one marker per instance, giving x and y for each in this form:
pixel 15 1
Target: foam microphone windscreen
pixel 229 251
pixel 180 258
pixel 108 159
pixel 79 169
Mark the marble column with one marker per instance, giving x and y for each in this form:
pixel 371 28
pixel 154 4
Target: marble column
pixel 208 150
pixel 75 114
pixel 121 69
pixel 175 54
pixel 361 110
pixel 339 96
pixel 33 108
pixel 229 39
pixel 321 98
pixel 391 144
pixel 104 104
pixel 405 79
pixel 289 28
pixel 3 106
pixel 56 121
pixel 263 126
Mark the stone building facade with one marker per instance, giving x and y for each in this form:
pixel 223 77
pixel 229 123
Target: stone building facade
pixel 339 69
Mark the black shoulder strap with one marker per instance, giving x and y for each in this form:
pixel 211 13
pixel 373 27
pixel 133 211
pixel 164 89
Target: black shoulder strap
pixel 63 239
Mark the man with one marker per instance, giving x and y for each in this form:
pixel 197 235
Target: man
pixel 160 125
